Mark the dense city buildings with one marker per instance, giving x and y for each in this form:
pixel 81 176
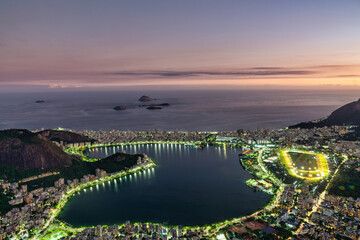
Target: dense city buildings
pixel 300 208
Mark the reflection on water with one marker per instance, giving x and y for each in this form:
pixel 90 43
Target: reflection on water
pixel 157 150
pixel 115 184
pixel 188 186
pixel 145 175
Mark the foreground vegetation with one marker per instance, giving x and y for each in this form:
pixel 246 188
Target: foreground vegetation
pixel 347 182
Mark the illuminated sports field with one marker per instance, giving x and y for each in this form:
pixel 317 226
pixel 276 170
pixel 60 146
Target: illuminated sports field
pixel 305 165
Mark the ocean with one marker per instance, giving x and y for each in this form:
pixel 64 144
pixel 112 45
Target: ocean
pixel 202 110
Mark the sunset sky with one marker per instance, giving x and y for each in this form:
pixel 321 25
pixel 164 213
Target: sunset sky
pixel 86 43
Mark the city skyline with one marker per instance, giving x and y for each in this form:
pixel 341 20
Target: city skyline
pixel 124 43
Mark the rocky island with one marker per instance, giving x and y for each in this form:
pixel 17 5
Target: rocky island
pixel 153 108
pixel 146 99
pixel 120 108
pixel 155 105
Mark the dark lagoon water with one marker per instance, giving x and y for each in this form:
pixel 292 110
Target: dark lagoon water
pixel 190 109
pixel 187 187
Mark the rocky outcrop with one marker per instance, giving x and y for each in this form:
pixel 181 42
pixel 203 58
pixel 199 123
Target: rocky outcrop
pixel 146 99
pixel 120 108
pixel 155 105
pixel 154 108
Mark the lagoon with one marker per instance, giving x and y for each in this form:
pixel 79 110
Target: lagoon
pixel 188 187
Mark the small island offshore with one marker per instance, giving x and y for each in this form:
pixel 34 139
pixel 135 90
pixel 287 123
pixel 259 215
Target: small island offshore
pixel 312 175
pixel 144 98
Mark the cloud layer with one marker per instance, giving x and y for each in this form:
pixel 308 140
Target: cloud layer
pixel 268 72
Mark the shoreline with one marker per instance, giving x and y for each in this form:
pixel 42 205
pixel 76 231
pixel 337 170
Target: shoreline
pixel 207 227
pixel 75 190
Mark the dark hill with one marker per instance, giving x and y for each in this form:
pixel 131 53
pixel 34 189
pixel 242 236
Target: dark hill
pixel 116 162
pixel 78 169
pixel 65 136
pixel 27 150
pixel 348 114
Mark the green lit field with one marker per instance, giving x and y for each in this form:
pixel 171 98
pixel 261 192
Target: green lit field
pixel 303 160
pixel 305 165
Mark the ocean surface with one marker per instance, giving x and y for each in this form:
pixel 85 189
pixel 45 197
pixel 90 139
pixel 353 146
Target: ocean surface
pixel 188 187
pixel 189 109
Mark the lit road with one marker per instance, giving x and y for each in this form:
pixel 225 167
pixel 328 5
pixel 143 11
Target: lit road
pixel 64 200
pixel 265 170
pixel 321 198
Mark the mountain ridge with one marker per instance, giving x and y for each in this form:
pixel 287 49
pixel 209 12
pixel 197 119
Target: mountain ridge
pixel 348 114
